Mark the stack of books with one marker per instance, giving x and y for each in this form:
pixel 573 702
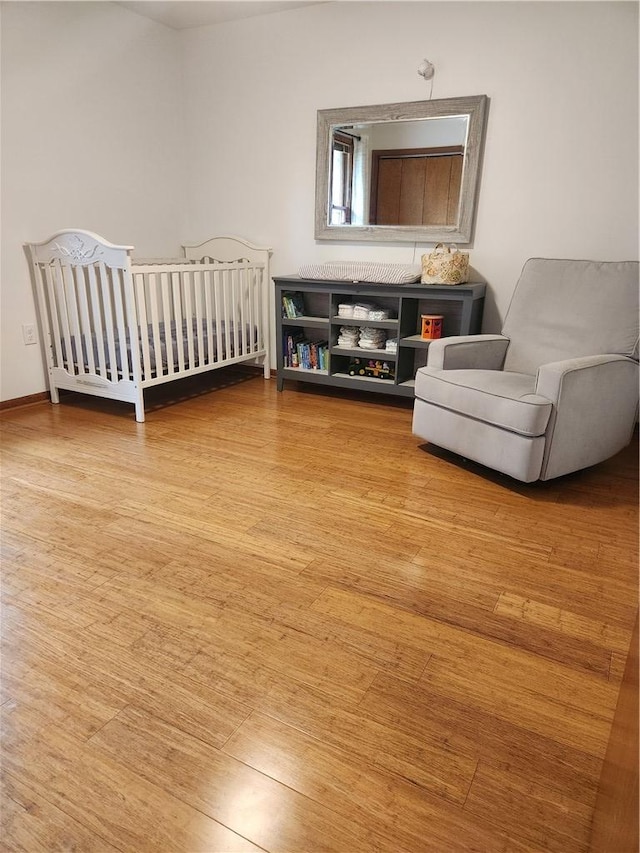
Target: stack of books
pixel 292 305
pixel 299 351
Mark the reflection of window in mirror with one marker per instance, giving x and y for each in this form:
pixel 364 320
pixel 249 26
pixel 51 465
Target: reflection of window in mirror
pixel 341 178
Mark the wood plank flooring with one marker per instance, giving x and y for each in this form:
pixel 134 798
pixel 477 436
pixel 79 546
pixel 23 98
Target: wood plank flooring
pixel 276 621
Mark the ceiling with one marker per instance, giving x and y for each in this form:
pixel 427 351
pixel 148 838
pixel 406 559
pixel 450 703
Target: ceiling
pixel 182 14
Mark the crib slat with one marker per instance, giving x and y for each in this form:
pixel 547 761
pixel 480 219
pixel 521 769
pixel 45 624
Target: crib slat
pixel 177 316
pixel 165 305
pixel 97 323
pixel 227 313
pixel 74 282
pixel 158 333
pixel 247 325
pixel 111 294
pixel 209 312
pixel 84 348
pixel 187 279
pixel 245 276
pixel 50 275
pixel 254 309
pixel 199 322
pixel 218 307
pixel 65 290
pixel 118 300
pixel 240 345
pixel 142 325
pixel 236 296
pixel 133 322
pixel 104 284
pixel 263 310
pixel 260 313
pixel 253 317
pixel 253 289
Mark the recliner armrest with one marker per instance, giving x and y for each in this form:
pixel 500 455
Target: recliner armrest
pixel 587 372
pixel 462 352
pixel 595 400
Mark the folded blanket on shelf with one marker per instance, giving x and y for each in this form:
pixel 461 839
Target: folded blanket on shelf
pixel 361 310
pixel 371 338
pixel 345 309
pixel 349 336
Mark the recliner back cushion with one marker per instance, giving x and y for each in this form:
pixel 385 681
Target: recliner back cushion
pixel 566 309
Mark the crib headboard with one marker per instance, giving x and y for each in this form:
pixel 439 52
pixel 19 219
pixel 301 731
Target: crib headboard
pixel 83 290
pixel 76 247
pixel 228 249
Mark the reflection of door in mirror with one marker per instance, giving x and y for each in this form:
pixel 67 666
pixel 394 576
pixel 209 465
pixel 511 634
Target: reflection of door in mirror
pixel 416 186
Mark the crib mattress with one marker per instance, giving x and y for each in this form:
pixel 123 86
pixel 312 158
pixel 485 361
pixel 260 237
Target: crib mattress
pixel 158 362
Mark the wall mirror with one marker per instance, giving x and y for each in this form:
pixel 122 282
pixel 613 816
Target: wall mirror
pixel 399 172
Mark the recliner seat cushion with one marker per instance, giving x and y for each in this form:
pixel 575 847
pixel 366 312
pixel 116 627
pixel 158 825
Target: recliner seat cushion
pixel 502 398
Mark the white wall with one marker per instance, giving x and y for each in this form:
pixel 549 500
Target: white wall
pixel 560 176
pixel 91 131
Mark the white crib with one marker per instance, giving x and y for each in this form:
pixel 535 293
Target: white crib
pixel 113 326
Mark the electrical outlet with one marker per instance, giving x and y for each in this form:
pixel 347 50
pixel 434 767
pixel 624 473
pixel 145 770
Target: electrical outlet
pixel 29 334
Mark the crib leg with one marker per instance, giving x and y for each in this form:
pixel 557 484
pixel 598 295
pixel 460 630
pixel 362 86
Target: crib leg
pixel 266 367
pixel 53 393
pixel 139 408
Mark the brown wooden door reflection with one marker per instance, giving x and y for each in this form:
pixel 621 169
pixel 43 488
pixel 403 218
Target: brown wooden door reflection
pixel 416 186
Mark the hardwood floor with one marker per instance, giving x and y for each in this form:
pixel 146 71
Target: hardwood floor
pixel 265 621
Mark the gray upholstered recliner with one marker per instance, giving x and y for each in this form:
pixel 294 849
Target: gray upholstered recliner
pixel 557 391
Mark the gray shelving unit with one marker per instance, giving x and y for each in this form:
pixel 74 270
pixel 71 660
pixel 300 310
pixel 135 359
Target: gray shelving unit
pixel 460 305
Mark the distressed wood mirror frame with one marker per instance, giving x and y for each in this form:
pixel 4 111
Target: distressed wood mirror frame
pixel 474 107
